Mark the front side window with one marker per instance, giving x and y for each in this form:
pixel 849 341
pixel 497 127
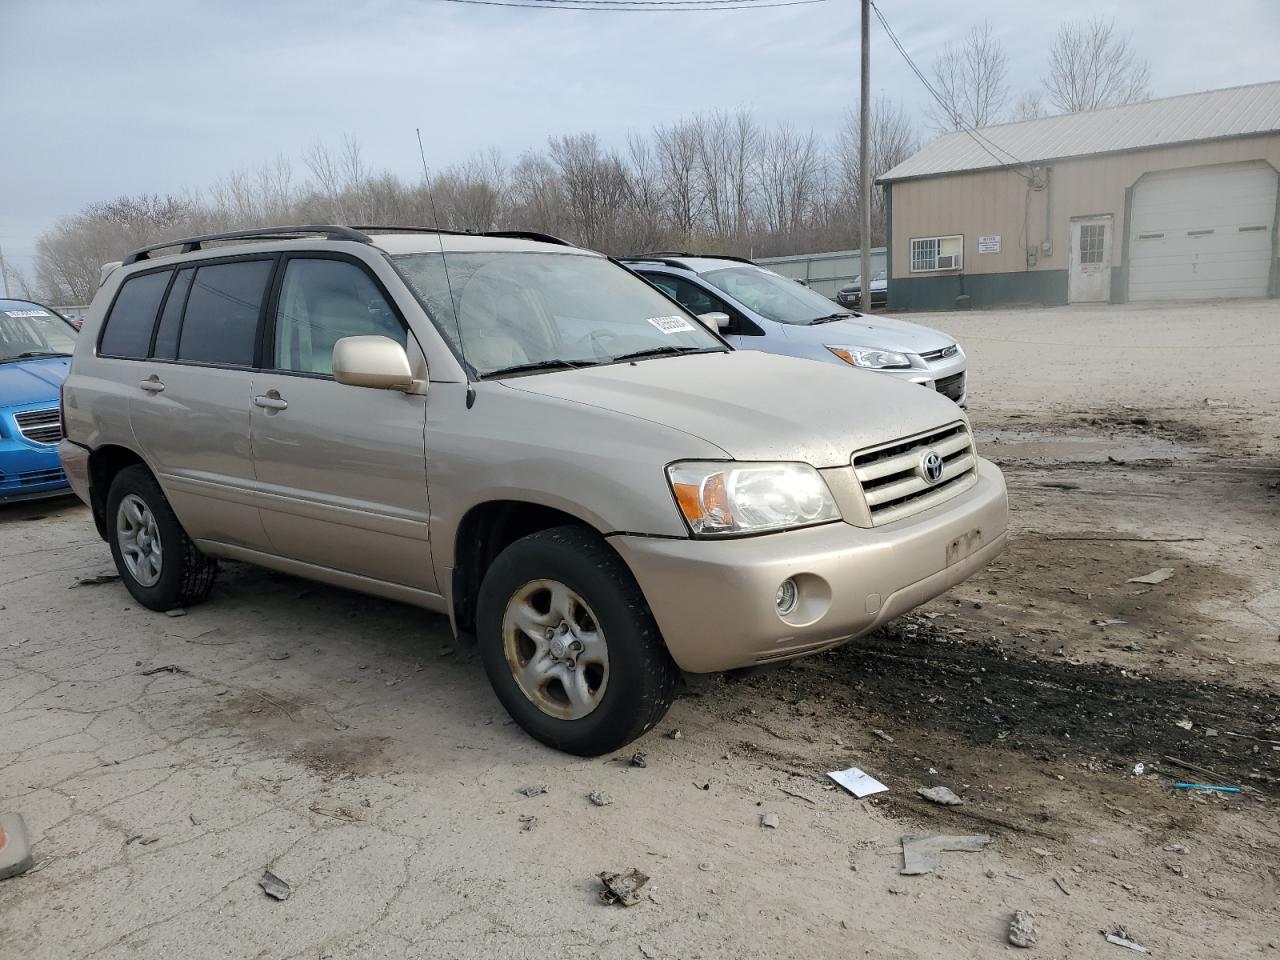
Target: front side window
pixel 515 311
pixel 221 321
pixel 772 295
pixel 28 332
pixel 322 301
pixel 127 332
pixel 689 295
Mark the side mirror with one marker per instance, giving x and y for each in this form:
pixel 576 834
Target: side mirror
pixel 377 362
pixel 715 321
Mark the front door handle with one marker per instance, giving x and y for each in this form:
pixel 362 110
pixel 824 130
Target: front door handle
pixel 271 403
pixel 151 386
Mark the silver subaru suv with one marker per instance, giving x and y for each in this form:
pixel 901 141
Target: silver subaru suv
pixel 521 435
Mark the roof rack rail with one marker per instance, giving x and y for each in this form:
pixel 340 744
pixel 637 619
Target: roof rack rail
pixel 190 244
pixel 528 235
pixel 663 254
pixel 508 234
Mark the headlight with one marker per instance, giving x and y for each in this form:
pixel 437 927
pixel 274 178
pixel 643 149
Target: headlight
pixel 724 499
pixel 870 358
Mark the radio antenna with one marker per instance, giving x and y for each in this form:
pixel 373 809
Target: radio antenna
pixel 444 262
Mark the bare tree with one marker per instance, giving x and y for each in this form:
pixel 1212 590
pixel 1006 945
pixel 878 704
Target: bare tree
pixel 893 139
pixel 677 151
pixel 1092 66
pixel 788 172
pixel 971 78
pixel 727 151
pixel 596 187
pixel 1029 106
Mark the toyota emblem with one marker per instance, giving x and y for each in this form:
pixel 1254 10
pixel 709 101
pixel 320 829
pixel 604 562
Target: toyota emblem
pixel 931 465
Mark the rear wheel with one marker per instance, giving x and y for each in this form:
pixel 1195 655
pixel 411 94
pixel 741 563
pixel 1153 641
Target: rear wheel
pixel 570 645
pixel 156 559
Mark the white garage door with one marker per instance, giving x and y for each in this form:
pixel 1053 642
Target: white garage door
pixel 1203 232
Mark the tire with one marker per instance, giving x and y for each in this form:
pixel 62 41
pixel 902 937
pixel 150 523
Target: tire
pixel 640 674
pixel 185 575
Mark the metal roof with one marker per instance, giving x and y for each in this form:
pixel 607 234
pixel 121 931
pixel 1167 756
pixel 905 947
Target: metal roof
pixel 1212 115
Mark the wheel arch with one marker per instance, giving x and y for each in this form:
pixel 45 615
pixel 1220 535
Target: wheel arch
pixel 105 462
pixel 488 528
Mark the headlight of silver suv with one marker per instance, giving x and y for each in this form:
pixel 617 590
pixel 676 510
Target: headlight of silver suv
pixel 870 358
pixel 728 499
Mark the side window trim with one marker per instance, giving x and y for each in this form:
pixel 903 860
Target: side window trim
pixel 267 334
pixel 274 260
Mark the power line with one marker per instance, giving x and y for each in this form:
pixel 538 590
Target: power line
pixel 985 143
pixel 640 6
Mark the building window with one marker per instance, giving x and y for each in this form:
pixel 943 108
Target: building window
pixel 1091 237
pixel 936 253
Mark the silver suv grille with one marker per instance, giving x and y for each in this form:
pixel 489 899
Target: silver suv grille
pixel 40 426
pixel 893 476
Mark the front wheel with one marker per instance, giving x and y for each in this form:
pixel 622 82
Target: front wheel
pixel 570 645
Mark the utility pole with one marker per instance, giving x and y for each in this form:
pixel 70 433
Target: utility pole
pixel 864 156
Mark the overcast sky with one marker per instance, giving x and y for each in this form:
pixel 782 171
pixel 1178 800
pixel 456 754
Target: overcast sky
pixel 99 99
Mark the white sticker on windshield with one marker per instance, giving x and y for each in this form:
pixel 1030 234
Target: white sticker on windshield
pixel 27 313
pixel 671 324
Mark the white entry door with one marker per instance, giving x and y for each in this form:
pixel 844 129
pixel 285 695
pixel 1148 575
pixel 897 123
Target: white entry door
pixel 1089 278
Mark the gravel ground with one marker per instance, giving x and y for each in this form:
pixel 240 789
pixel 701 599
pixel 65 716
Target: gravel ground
pixel 349 745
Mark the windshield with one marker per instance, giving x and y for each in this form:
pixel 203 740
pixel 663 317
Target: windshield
pixel 31 331
pixel 771 295
pixel 544 310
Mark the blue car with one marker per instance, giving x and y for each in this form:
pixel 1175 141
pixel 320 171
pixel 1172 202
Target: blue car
pixel 35 350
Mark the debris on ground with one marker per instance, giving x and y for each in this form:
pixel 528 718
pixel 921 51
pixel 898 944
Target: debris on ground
pixel 95 580
pixel 1183 724
pixel 533 790
pixel 337 812
pixel 599 799
pixel 273 886
pixel 623 888
pixel 941 795
pixel 1154 577
pixel 1062 886
pixel 674 735
pixel 858 783
pixel 1205 786
pixel 15 847
pixel 167 668
pixel 638 759
pixel 527 822
pixel 706 866
pixel 1022 930
pixel 882 735
pixel 175 612
pixel 1139 769
pixel 923 854
pixel 1120 937
pixel 769 820
pixel 1177 848
pixel 278 655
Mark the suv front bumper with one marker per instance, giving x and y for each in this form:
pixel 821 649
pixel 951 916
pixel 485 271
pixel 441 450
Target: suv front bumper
pixel 715 600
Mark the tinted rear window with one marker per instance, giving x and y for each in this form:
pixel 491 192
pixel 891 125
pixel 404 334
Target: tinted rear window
pixel 221 321
pixel 133 316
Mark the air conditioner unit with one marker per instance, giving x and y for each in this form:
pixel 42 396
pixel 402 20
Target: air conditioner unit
pixel 949 262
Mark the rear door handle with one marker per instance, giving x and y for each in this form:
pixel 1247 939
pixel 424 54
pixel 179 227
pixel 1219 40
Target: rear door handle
pixel 271 403
pixel 151 386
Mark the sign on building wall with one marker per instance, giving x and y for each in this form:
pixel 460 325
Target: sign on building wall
pixel 988 245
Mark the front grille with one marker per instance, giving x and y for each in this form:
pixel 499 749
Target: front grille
pixel 40 426
pixel 944 354
pixel 893 479
pixel 951 387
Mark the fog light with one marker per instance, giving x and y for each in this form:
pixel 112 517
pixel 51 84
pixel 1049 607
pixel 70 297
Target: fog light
pixel 787 596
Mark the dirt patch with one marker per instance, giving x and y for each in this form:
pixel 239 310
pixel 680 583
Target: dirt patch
pixel 345 758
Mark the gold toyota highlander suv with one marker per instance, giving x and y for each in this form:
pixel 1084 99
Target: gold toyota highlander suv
pixel 524 435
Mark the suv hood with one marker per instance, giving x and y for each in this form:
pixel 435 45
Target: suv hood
pixel 867 331
pixel 31 381
pixel 757 406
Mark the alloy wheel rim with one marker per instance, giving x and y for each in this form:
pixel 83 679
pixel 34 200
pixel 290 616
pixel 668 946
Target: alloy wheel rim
pixel 139 540
pixel 556 649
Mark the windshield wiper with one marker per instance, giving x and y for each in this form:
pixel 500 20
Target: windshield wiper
pixel 663 351
pixel 831 318
pixel 536 366
pixel 37 354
